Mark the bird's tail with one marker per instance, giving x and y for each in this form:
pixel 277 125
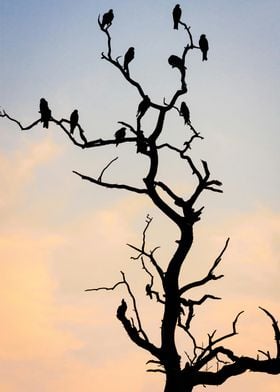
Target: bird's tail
pixel 175 25
pixel 204 57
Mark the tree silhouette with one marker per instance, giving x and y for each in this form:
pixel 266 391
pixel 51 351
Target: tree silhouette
pixel 182 374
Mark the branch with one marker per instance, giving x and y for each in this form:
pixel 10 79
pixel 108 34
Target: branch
pixel 276 330
pixel 105 168
pixel 4 114
pixel 150 255
pixel 210 275
pixel 241 365
pixel 133 333
pixel 203 358
pixel 109 185
pixel 168 190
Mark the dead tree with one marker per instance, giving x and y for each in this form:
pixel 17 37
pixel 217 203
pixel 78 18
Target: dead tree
pixel 181 375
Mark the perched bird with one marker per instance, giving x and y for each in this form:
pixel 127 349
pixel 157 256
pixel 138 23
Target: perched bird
pixel 128 57
pixel 107 19
pixel 203 44
pixel 45 112
pixel 143 106
pixel 74 119
pixel 184 112
pixel 120 135
pixel 141 142
pixel 176 62
pixel 149 291
pixel 121 310
pixel 177 12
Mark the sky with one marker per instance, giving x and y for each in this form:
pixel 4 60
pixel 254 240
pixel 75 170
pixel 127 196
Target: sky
pixel 60 235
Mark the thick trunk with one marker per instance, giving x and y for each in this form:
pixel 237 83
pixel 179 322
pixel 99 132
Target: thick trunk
pixel 174 383
pixel 171 358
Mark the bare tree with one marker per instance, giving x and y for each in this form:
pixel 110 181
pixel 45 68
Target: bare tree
pixel 181 374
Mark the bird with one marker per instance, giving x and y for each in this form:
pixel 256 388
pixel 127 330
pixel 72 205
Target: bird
pixel 74 119
pixel 121 310
pixel 149 291
pixel 204 46
pixel 141 143
pixel 107 19
pixel 184 112
pixel 177 12
pixel 128 57
pixel 176 62
pixel 143 106
pixel 45 112
pixel 120 135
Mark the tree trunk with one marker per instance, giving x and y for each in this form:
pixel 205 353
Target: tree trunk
pixel 174 383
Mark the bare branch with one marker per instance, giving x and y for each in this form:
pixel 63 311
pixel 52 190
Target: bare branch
pixel 106 288
pixel 150 255
pixel 109 185
pixel 276 330
pixel 105 168
pixel 4 114
pixel 203 358
pixel 209 276
pixel 241 365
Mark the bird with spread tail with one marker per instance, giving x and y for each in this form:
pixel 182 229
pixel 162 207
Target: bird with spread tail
pixel 204 46
pixel 176 62
pixel 143 106
pixel 128 57
pixel 177 12
pixel 120 135
pixel 74 119
pixel 107 19
pixel 45 112
pixel 185 113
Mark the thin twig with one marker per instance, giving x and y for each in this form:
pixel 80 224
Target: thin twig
pixel 105 168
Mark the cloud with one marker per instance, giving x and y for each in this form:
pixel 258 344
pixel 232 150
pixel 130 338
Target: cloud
pixel 17 168
pixel 29 314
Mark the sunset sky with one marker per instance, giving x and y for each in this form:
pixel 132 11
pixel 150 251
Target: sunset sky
pixel 60 235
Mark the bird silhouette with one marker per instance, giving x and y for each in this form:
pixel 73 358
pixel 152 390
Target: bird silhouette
pixel 121 310
pixel 143 106
pixel 45 112
pixel 176 62
pixel 128 57
pixel 184 112
pixel 177 12
pixel 141 142
pixel 74 119
pixel 149 291
pixel 204 46
pixel 120 135
pixel 107 19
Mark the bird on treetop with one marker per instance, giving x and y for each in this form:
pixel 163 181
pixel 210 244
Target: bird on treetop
pixel 177 12
pixel 107 19
pixel 204 46
pixel 176 62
